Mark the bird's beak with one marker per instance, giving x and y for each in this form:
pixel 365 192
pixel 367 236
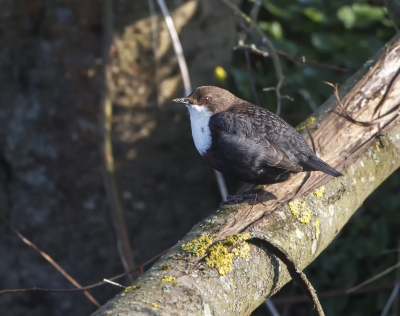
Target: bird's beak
pixel 182 100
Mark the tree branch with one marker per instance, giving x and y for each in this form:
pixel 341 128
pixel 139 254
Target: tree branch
pixel 245 275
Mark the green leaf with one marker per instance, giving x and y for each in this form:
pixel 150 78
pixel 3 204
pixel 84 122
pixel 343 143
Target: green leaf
pixel 326 41
pixel 274 28
pixel 314 15
pixel 273 9
pixel 360 15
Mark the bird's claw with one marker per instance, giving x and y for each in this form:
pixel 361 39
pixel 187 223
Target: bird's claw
pixel 240 197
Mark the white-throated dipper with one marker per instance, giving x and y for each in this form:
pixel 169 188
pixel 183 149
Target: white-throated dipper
pixel 246 141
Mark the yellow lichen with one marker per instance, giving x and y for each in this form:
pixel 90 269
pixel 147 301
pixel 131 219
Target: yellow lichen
pixel 156 305
pixel 308 122
pixel 319 193
pixel 220 256
pixel 235 239
pixel 300 211
pixel 317 227
pixel 165 267
pixel 130 288
pixel 242 250
pixel 199 245
pixel 169 279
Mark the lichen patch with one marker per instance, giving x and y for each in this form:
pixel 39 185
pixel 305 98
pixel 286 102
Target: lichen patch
pixel 220 256
pixel 165 267
pixel 198 246
pixel 169 279
pixel 319 193
pixel 299 209
pixel 131 288
pixel 308 122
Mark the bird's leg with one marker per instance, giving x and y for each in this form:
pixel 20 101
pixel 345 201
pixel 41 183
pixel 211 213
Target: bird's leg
pixel 244 195
pixel 240 196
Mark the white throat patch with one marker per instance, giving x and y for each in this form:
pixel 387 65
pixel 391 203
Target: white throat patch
pixel 199 118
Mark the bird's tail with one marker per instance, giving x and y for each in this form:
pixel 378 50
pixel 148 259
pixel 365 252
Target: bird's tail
pixel 317 164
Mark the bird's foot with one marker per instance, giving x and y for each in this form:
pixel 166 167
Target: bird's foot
pixel 240 197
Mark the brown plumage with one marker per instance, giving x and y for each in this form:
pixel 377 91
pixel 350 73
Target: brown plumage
pixel 247 141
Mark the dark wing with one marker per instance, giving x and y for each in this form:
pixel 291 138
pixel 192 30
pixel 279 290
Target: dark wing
pixel 274 157
pixel 239 129
pixel 284 146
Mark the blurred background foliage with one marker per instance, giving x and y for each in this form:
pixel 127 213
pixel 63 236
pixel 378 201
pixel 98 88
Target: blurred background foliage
pixel 336 33
pixel 52 83
pixel 343 34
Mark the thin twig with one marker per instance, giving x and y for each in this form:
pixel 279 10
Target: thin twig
pixel 299 61
pixel 114 283
pixel 255 9
pixel 278 73
pixel 333 293
pixel 271 307
pixel 311 137
pixel 177 47
pixel 296 274
pixel 303 61
pixel 396 302
pixel 154 44
pixel 389 5
pixel 383 118
pixel 252 83
pixel 88 287
pixel 251 48
pixel 265 42
pixel 253 15
pixel 221 185
pixel 110 181
pixel 391 299
pixel 376 277
pixel 53 263
pixel 185 77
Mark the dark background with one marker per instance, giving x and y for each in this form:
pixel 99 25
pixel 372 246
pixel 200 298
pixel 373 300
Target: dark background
pixel 52 184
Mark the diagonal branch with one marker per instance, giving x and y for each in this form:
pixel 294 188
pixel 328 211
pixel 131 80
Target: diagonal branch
pixel 234 280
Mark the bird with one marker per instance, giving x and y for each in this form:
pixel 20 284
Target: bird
pixel 246 141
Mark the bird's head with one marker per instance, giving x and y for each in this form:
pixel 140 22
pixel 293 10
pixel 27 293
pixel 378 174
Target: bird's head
pixel 214 99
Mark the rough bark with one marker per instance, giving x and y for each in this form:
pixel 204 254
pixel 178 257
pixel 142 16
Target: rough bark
pixel 349 147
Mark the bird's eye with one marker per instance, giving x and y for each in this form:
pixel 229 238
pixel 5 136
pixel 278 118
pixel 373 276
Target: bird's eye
pixel 207 99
